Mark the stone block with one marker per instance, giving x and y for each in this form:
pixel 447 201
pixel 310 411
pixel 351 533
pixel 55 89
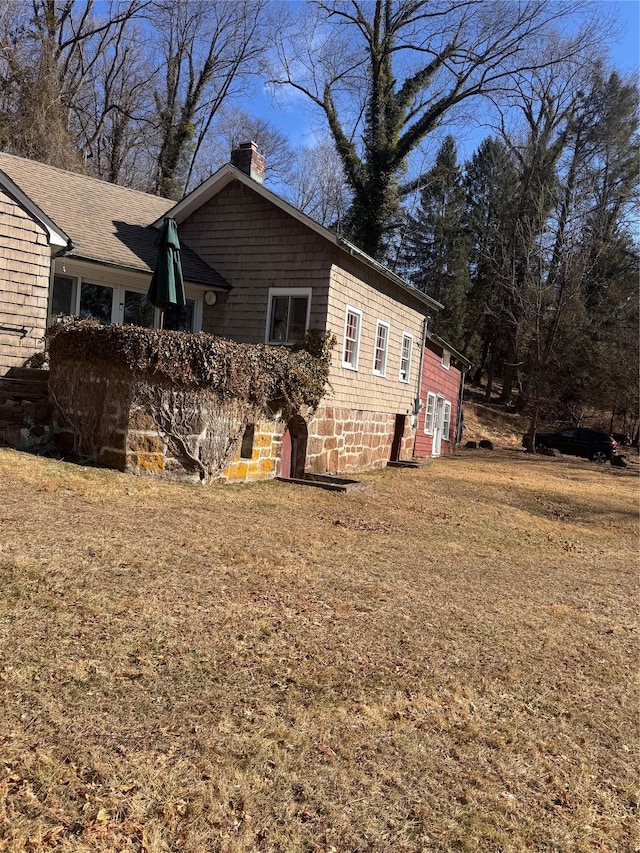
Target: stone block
pixel 325 427
pixel 139 419
pixel 145 443
pixel 112 458
pixel 148 462
pixel 262 440
pixel 240 472
pixel 65 440
pixel 331 443
pixel 315 446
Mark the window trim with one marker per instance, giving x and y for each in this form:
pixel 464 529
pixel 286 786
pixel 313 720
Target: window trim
pixel 385 352
pixel 430 396
pixel 446 420
pixel 407 377
pixel 446 359
pixel 286 291
pixel 358 313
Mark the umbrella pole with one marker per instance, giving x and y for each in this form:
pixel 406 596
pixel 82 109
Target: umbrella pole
pixel 162 320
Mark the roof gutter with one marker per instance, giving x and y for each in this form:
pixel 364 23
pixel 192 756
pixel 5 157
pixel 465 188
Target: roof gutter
pixel 376 265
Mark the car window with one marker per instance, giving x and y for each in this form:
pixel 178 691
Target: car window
pixel 568 433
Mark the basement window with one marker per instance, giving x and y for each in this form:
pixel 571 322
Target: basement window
pixel 246 449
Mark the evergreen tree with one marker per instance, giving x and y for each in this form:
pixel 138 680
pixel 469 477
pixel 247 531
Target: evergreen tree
pixel 490 181
pixel 436 244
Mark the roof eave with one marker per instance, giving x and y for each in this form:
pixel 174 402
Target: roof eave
pixel 228 173
pixel 457 355
pixel 55 235
pixel 76 256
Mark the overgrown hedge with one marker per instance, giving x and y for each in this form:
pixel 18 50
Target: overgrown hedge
pixel 259 375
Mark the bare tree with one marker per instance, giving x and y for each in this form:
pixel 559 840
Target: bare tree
pixel 386 73
pixel 208 48
pixel 233 126
pixel 51 52
pixel 317 185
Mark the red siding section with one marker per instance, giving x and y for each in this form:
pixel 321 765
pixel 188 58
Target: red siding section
pixel 436 379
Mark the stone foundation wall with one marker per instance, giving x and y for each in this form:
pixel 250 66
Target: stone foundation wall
pixel 265 454
pixel 349 440
pixel 130 441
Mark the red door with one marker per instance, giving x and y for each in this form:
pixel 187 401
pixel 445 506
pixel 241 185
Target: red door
pixel 285 454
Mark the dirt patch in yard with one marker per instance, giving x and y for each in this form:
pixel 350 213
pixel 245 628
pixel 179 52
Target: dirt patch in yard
pixel 446 661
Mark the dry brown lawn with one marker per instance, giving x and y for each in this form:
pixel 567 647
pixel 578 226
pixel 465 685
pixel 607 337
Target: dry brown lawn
pixel 445 662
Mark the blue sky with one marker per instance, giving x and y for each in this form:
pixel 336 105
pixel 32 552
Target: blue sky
pixel 292 114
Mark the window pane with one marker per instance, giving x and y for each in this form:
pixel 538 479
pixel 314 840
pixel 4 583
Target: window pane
pixel 138 311
pixel 405 359
pixel 96 301
pixel 297 318
pixel 63 301
pixel 351 339
pixel 380 359
pixel 179 318
pixel 446 421
pixel 279 316
pixel 428 417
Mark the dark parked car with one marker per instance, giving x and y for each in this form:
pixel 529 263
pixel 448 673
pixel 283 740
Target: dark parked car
pixel 576 441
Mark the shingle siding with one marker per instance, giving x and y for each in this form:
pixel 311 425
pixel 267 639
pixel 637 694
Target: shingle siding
pixel 24 284
pixel 255 246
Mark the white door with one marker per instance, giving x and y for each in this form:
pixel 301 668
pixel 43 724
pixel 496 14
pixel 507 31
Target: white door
pixel 438 420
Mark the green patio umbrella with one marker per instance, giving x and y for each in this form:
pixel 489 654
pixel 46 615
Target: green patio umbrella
pixel 167 284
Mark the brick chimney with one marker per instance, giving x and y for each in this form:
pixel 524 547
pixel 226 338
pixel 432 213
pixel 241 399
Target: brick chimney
pixel 248 160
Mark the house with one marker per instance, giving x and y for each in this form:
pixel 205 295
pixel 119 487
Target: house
pixel 257 270
pixel 440 420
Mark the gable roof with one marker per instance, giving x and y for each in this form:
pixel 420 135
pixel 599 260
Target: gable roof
pixel 220 179
pixel 438 341
pixel 103 223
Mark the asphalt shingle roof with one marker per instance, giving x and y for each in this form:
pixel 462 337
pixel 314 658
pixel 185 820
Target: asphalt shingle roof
pixel 106 223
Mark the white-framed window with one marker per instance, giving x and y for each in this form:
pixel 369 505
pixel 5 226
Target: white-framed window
pixel 446 420
pixel 429 414
pixel 405 357
pixel 446 359
pixel 352 326
pixel 288 315
pixel 118 303
pixel 381 348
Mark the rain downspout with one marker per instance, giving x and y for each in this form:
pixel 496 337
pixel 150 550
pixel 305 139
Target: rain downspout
pixel 417 404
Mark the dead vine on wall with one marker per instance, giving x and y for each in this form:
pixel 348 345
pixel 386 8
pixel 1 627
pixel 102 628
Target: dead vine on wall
pixel 201 391
pixel 92 402
pixel 197 425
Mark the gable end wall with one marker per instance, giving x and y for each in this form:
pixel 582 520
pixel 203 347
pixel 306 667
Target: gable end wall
pixel 255 246
pixel 25 261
